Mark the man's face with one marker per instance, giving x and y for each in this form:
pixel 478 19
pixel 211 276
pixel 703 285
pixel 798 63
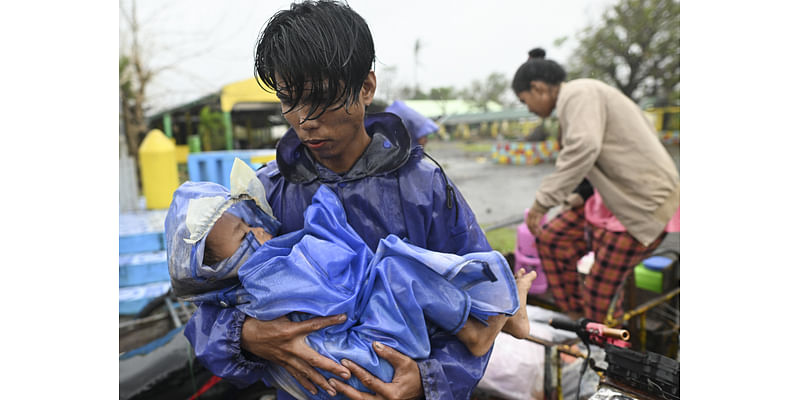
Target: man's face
pixel 338 137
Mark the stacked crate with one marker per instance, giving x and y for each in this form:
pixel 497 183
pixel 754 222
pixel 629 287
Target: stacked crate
pixel 143 272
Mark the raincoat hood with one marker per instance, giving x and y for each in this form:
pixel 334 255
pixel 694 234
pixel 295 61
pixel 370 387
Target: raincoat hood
pixel 388 151
pixel 195 208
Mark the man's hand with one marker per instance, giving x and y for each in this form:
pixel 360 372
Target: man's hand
pixel 283 342
pixel 534 219
pixel 406 383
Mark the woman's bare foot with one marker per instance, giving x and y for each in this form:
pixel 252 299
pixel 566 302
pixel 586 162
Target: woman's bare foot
pixel 517 325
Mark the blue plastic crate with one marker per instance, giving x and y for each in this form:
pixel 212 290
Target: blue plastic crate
pixel 133 299
pixel 143 242
pixel 215 166
pixel 143 268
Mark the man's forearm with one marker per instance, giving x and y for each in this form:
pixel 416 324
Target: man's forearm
pixel 215 335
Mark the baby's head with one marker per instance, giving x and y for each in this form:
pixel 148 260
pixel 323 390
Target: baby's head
pixel 207 214
pixel 227 236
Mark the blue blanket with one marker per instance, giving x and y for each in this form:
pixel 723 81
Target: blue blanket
pixel 391 296
pixel 395 296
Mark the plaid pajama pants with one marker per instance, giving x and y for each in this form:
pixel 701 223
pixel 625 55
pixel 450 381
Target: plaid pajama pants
pixel 566 239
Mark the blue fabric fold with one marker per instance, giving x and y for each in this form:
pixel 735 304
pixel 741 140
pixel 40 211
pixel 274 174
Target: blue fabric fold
pixel 390 296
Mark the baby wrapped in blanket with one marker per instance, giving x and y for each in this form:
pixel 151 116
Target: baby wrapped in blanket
pixel 394 295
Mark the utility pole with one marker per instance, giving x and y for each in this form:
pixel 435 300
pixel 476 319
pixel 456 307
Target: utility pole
pixel 417 48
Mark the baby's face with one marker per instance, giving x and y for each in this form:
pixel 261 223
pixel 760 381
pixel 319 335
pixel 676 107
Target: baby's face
pixel 228 232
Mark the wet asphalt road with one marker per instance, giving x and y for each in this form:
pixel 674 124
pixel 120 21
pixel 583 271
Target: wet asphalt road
pixel 496 193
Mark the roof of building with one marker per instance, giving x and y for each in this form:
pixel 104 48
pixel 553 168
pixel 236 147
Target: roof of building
pixel 499 115
pixel 438 108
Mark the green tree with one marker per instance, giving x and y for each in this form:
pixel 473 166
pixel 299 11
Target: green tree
pixel 410 93
pixel 491 89
pixel 211 126
pixel 126 105
pixel 442 93
pixel 135 75
pixel 636 48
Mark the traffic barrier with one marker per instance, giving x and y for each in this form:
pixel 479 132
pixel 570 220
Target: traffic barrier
pixel 670 137
pixel 532 153
pixel 525 153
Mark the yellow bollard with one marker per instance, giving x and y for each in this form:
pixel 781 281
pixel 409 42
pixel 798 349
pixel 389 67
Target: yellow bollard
pixel 158 169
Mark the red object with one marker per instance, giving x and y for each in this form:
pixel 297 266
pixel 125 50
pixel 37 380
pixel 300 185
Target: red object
pixel 596 334
pixel 208 385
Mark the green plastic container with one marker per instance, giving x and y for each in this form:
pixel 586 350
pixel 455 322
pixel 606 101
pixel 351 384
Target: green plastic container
pixel 648 279
pixel 650 272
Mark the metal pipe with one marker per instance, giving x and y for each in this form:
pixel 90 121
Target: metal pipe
pixel 650 304
pixel 552 365
pixel 186 312
pixel 643 331
pixel 616 333
pixel 141 321
pixel 644 307
pixel 172 313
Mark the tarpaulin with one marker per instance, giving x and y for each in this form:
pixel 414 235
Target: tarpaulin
pixel 390 296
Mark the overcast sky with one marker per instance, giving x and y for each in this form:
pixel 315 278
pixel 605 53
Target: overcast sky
pixel 209 43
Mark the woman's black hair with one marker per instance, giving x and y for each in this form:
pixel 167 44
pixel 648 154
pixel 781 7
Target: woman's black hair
pixel 317 53
pixel 536 53
pixel 537 68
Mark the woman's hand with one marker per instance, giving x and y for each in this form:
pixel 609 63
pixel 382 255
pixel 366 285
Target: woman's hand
pixel 533 221
pixel 406 383
pixel 573 200
pixel 283 342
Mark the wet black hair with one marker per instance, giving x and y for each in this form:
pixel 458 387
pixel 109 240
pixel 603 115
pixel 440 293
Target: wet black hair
pixel 537 68
pixel 321 50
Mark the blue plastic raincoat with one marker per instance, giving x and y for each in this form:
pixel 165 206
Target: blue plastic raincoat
pixel 417 124
pixel 390 190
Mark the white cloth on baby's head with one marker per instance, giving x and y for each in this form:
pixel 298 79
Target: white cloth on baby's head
pixel 195 208
pixel 203 212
